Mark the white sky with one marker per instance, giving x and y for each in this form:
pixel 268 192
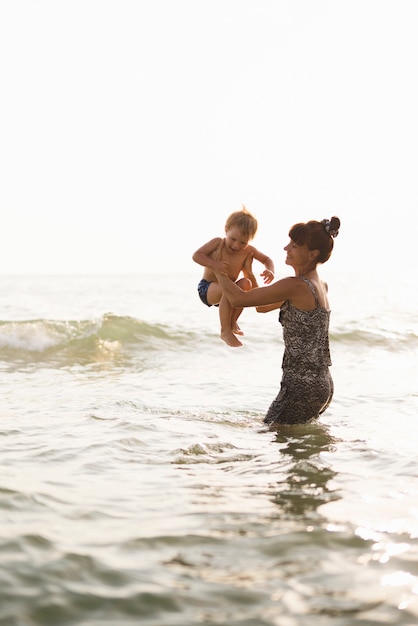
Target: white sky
pixel 130 129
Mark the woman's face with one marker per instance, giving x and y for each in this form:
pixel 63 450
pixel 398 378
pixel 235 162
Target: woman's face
pixel 297 255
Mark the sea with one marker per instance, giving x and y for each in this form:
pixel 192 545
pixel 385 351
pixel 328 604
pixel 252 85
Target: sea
pixel 139 486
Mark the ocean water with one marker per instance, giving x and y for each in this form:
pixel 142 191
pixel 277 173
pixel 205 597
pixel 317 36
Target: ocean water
pixel 139 486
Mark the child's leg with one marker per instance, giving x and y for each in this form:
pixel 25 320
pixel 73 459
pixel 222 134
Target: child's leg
pixel 225 317
pixel 214 296
pixel 246 285
pixel 214 293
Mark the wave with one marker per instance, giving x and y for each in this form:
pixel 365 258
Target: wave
pixel 116 338
pixel 388 339
pixel 82 341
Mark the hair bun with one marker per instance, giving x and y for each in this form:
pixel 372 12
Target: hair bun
pixel 332 226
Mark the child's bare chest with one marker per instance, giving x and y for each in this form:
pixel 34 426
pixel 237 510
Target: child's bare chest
pixel 235 261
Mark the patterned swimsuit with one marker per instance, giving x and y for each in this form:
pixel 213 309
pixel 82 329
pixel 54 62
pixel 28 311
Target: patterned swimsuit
pixel 306 387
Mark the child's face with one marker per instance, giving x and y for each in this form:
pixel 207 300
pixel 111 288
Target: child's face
pixel 235 240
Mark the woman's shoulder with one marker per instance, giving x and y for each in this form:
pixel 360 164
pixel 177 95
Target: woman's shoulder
pixel 301 293
pixel 319 290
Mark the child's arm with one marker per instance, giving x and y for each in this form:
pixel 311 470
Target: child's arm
pixel 247 270
pixel 268 277
pixel 204 255
pixel 268 273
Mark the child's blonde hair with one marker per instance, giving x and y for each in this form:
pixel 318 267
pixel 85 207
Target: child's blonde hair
pixel 245 222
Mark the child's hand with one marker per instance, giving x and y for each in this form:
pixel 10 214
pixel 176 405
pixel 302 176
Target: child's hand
pixel 267 276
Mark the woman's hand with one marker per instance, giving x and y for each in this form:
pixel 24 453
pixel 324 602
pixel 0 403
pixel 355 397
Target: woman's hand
pixel 220 267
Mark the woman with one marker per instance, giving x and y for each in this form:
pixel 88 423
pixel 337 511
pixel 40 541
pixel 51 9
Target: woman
pixel 306 388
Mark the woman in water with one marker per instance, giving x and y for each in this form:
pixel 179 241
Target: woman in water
pixel 306 387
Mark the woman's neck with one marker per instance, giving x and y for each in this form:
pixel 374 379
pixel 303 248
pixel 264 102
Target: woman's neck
pixel 305 271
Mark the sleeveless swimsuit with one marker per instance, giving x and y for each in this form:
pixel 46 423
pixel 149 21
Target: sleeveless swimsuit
pixel 306 387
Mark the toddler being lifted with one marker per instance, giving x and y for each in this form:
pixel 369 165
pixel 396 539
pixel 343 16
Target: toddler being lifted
pixel 234 254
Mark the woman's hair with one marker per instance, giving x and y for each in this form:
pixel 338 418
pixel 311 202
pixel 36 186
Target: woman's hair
pixel 317 236
pixel 244 220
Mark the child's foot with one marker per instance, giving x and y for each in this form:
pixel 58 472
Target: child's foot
pixel 230 339
pixel 237 330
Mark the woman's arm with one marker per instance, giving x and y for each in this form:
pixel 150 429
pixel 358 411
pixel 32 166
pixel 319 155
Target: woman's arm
pixel 266 308
pixel 274 294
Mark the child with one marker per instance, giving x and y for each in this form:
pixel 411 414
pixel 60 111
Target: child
pixel 233 253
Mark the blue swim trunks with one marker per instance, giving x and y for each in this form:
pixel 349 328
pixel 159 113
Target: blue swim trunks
pixel 202 290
